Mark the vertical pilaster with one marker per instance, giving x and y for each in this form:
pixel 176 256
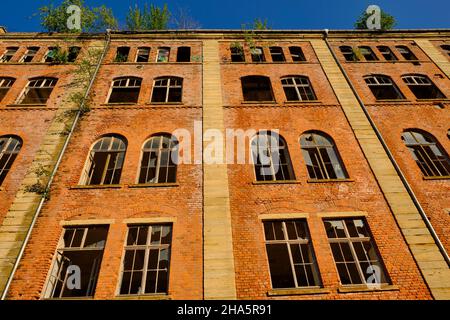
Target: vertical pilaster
pixel 437 56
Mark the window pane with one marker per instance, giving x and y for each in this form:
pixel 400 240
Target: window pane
pixel 280 266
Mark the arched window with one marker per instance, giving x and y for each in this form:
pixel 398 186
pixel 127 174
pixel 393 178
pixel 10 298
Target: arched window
pixel 167 90
pixel 105 161
pixel 257 88
pixel 368 53
pixel 159 160
pixel 348 53
pixel 38 91
pixel 428 153
pixel 422 87
pixel 322 157
pixel 406 53
pixel 446 47
pixel 271 158
pixel 298 88
pixel 125 90
pixel 9 149
pixel 5 84
pixel 383 88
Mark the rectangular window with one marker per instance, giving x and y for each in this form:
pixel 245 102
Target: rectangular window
pixel 73 54
pixel 122 54
pixel 9 54
pixel 163 55
pixel 237 53
pixel 30 54
pixel 258 54
pixel 277 54
pixel 297 54
pixel 5 85
pixel 50 55
pixel 146 262
pixel 387 53
pixel 355 254
pixel 78 259
pixel 38 91
pixel 291 257
pixel 184 54
pixel 143 55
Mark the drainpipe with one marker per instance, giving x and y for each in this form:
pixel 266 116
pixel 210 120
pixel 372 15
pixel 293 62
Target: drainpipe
pixel 390 155
pixel 55 169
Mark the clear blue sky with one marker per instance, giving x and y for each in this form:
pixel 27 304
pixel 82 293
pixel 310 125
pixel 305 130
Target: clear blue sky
pixel 17 15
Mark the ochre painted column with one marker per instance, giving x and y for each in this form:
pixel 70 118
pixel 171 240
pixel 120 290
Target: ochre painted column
pixel 219 273
pixel 422 245
pixel 437 56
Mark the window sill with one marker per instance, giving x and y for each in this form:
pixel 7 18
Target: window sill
pixel 389 61
pixel 153 185
pixel 119 104
pixel 154 63
pixel 68 299
pixel 144 297
pixel 367 288
pixel 437 178
pixel 303 102
pixel 109 186
pixel 27 105
pixel 259 102
pixel 393 100
pixel 297 292
pixel 329 180
pixel 434 100
pixel 165 103
pixel 276 182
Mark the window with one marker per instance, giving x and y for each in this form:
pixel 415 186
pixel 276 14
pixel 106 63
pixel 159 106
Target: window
pixel 38 91
pixel 29 55
pixel 257 88
pixel 146 261
pixel 73 54
pixel 125 90
pixel 258 54
pixel 237 53
pixel 167 90
pixel 297 54
pixel 446 47
pixel 321 156
pixel 387 53
pixel 122 54
pixel 406 53
pixel 428 153
pixel 5 84
pixel 50 55
pixel 105 161
pixel 271 158
pixel 355 254
pixel 298 88
pixel 80 248
pixel 9 149
pixel 9 54
pixel 184 54
pixel 163 55
pixel 422 87
pixel 368 53
pixel 291 257
pixel 159 160
pixel 348 53
pixel 383 88
pixel 143 54
pixel 277 54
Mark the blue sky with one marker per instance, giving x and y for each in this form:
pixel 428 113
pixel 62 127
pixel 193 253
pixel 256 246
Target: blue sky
pixel 281 14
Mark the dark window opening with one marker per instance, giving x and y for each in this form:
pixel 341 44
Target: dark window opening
pixel 422 87
pixel 406 53
pixel 9 149
pixel 277 54
pixel 125 90
pixel 122 54
pixel 30 54
pixel 297 54
pixel 257 88
pixel 38 91
pixel 348 53
pixel 368 53
pixel 387 53
pixel 9 54
pixel 383 88
pixel 184 54
pixel 167 90
pixel 237 54
pixel 298 89
pixel 163 55
pixel 446 47
pixel 73 54
pixel 5 85
pixel 258 54
pixel 143 55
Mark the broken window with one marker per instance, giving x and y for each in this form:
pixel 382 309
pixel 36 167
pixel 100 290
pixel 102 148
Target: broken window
pixel 368 53
pixel 277 54
pixel 257 88
pixel 184 54
pixel 298 88
pixel 355 254
pixel 167 90
pixel 383 88
pixel 387 53
pixel 77 263
pixel 297 54
pixel 291 256
pixel 406 53
pixel 237 53
pixel 322 157
pixel 29 54
pixel 125 90
pixel 50 55
pixel 146 261
pixel 73 54
pixel 9 149
pixel 271 158
pixel 105 161
pixel 163 55
pixel 9 54
pixel 159 160
pixel 38 91
pixel 143 54
pixel 258 54
pixel 422 87
pixel 122 54
pixel 348 53
pixel 5 84
pixel 446 47
pixel 428 153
